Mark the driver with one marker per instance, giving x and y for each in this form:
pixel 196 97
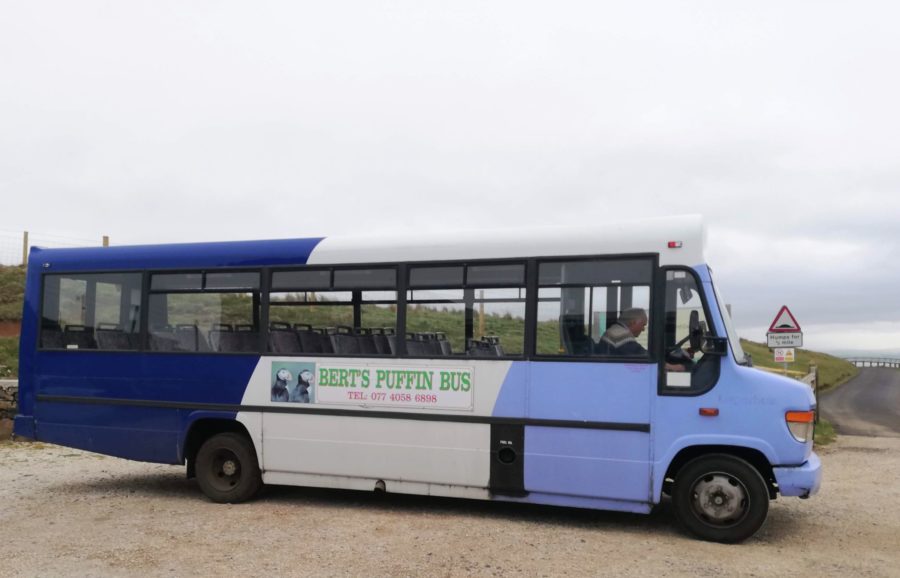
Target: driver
pixel 621 337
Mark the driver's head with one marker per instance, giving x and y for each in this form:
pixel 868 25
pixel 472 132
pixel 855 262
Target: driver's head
pixel 635 320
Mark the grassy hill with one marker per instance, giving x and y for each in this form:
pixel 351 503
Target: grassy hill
pixel 12 290
pixel 833 371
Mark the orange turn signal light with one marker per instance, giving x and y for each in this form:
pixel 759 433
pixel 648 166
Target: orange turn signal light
pixel 800 416
pixel 709 411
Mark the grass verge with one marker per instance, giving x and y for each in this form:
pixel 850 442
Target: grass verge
pixel 833 371
pixel 12 289
pixel 825 433
pixel 9 357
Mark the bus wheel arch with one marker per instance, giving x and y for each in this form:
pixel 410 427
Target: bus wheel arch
pixel 203 429
pixel 752 456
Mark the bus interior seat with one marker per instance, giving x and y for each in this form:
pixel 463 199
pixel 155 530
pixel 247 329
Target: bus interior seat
pixel 310 340
pixel 425 344
pixel 494 342
pixel 79 337
pixel 283 339
pixel 52 336
pixel 114 339
pixel 383 341
pixel 163 340
pixel 344 341
pixel 443 343
pixel 487 346
pixel 366 341
pixel 575 341
pixel 189 338
pixel 236 341
pixel 415 345
pixel 325 334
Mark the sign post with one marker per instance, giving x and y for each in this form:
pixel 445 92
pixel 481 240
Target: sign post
pixel 784 335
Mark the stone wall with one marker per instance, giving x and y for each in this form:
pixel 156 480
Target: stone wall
pixel 9 402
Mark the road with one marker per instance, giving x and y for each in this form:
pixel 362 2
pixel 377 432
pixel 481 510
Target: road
pixel 868 405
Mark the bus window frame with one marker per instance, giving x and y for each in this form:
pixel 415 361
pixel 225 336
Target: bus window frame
pixel 530 286
pixel 662 389
pixel 143 313
pixel 145 304
pixel 654 333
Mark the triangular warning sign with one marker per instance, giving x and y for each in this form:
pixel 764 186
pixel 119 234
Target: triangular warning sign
pixel 784 322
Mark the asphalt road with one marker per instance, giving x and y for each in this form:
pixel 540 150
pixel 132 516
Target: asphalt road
pixel 868 405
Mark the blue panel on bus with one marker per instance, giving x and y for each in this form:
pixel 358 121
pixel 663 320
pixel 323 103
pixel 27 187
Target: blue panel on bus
pixel 219 379
pixel 182 255
pixel 114 420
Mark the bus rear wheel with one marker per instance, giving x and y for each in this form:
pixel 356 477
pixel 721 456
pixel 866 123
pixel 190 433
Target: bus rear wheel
pixel 227 469
pixel 720 498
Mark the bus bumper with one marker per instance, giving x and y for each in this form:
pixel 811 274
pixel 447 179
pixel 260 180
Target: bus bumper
pixel 803 480
pixel 23 426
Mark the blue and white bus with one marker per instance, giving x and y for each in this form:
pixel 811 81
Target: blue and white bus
pixel 586 368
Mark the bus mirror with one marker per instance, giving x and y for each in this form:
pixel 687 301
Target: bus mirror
pixel 685 293
pixel 696 332
pixel 714 345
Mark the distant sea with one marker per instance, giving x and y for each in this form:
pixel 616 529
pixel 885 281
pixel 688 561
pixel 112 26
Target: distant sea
pixel 888 353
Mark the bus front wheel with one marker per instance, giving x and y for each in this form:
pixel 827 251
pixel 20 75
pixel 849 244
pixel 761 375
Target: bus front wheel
pixel 227 469
pixel 720 498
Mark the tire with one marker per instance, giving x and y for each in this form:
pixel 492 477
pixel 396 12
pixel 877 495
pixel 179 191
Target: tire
pixel 227 470
pixel 720 498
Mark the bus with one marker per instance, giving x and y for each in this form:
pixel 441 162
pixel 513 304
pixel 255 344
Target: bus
pixel 590 368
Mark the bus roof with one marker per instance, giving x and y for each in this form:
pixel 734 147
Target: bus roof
pixel 644 236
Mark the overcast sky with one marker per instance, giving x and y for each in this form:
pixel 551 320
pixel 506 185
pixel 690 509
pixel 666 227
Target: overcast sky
pixel 186 121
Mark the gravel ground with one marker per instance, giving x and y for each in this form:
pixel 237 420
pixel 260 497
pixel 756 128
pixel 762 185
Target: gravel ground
pixel 66 512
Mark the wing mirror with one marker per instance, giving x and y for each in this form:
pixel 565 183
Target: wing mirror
pixel 695 330
pixel 713 345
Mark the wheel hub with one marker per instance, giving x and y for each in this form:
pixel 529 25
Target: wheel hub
pixel 720 498
pixel 229 468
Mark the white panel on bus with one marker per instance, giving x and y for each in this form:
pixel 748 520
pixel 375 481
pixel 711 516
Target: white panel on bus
pixel 389 449
pixel 597 238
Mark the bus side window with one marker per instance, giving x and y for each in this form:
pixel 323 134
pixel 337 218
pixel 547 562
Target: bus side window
pixel 91 311
pixel 586 308
pixel 211 312
pixel 345 311
pixel 466 310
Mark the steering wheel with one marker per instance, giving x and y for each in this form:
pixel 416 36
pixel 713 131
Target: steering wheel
pixel 678 356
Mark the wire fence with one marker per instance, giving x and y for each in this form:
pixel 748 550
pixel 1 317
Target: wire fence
pixel 14 245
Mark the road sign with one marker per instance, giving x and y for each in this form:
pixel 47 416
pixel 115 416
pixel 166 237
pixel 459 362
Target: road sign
pixel 785 339
pixel 784 322
pixel 785 331
pixel 784 355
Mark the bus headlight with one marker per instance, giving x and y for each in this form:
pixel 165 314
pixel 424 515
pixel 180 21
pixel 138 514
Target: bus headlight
pixel 801 424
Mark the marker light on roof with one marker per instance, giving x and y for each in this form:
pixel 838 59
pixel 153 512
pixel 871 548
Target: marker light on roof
pixel 674 244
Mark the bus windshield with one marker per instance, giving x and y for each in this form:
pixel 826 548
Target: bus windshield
pixel 736 348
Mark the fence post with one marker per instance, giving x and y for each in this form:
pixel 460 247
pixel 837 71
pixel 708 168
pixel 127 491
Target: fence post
pixel 25 248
